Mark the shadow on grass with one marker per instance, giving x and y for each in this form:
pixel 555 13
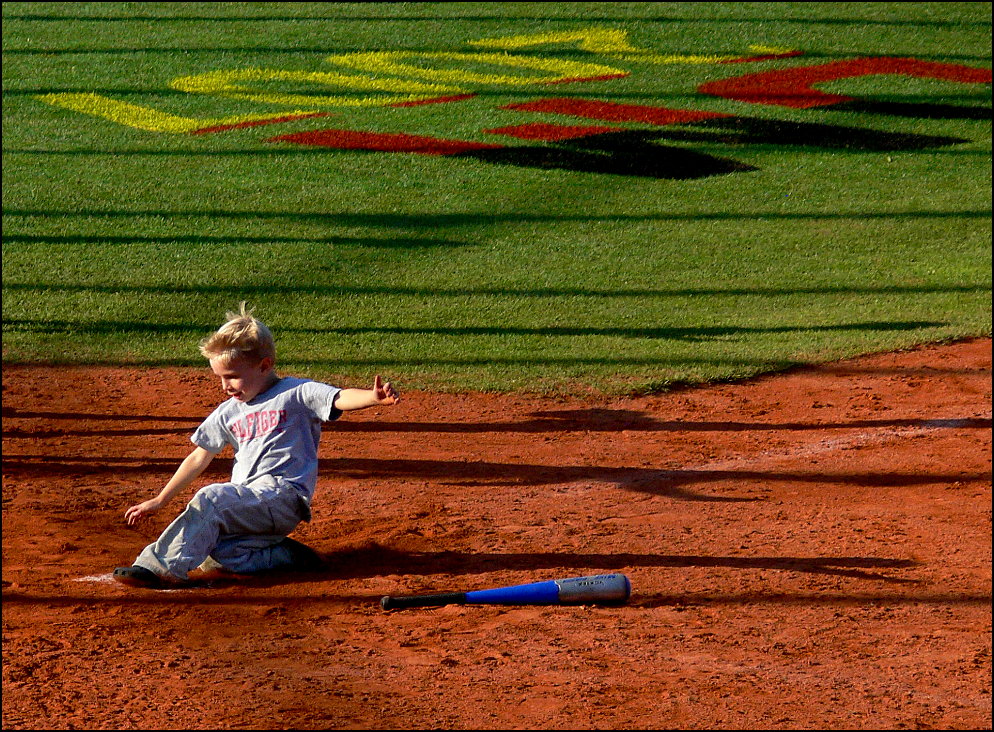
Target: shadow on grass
pixel 423 292
pixel 349 15
pixel 677 333
pixel 345 241
pixel 427 221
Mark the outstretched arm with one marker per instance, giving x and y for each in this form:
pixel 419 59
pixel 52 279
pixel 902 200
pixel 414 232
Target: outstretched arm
pixel 380 395
pixel 188 471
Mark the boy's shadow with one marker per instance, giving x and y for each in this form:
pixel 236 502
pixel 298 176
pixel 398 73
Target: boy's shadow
pixel 377 561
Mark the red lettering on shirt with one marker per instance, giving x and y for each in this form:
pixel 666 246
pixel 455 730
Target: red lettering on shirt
pixel 257 424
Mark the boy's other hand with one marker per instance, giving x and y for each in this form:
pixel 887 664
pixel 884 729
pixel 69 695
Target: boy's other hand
pixel 385 393
pixel 140 511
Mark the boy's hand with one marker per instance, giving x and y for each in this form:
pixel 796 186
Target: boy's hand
pixel 143 510
pixel 385 393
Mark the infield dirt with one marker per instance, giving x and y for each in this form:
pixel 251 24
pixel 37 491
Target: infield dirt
pixel 810 550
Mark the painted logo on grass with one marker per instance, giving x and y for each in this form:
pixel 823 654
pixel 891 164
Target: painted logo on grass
pixel 559 131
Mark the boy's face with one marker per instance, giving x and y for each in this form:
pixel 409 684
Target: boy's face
pixel 243 380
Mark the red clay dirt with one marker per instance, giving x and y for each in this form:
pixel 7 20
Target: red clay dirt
pixel 807 551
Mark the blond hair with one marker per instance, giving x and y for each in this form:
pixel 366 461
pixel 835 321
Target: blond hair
pixel 242 337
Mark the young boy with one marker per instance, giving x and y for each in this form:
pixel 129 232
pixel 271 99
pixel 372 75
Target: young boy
pixel 274 426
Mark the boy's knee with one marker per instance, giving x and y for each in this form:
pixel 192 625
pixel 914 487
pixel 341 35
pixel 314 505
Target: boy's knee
pixel 207 497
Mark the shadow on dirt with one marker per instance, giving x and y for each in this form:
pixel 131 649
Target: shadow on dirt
pixel 375 560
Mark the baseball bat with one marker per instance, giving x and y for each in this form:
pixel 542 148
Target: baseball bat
pixel 599 589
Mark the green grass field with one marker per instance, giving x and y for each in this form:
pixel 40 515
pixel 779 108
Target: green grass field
pixel 767 237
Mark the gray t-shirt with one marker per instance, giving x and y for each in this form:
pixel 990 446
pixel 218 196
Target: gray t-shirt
pixel 275 434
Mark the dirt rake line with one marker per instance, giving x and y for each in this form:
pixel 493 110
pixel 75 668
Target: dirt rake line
pixel 860 439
